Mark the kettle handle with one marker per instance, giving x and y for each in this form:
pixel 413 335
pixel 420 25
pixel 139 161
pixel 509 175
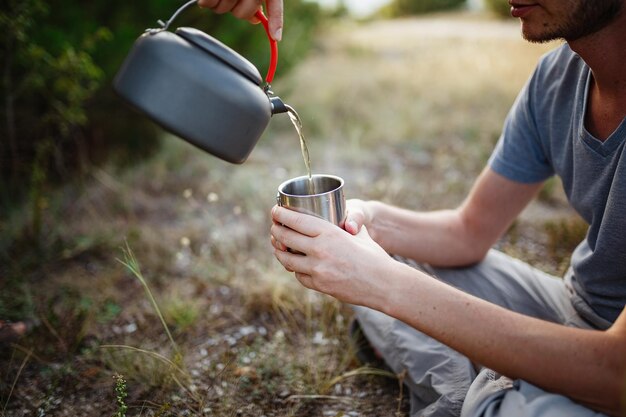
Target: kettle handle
pixel 273 47
pixel 259 15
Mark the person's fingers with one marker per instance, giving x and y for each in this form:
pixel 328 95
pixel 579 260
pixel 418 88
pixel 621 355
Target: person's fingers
pixel 351 226
pixel 290 239
pixel 294 262
pixel 354 220
pixel 276 244
pixel 363 233
pixel 224 6
pixel 303 223
pixel 242 9
pixel 209 4
pixel 275 17
pixel 305 280
pixel 246 10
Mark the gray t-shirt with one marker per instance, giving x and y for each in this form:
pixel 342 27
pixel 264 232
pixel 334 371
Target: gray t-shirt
pixel 544 134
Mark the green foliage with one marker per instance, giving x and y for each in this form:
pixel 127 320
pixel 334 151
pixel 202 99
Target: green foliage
pixel 69 315
pixel 399 8
pixel 181 313
pixel 40 89
pixel 499 7
pixel 120 395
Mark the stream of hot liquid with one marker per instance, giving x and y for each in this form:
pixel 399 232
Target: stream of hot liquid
pixel 297 123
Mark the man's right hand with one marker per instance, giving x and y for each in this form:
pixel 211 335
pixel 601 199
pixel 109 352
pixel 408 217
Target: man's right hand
pixel 246 9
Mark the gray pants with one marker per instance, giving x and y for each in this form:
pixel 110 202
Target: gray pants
pixel 441 381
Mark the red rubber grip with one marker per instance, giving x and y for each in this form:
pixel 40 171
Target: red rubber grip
pixel 273 47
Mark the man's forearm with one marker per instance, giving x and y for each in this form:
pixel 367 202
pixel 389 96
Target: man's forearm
pixel 588 366
pixel 452 238
pixel 438 238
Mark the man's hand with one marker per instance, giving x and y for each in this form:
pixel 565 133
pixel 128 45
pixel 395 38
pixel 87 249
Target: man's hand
pixel 245 9
pixel 326 258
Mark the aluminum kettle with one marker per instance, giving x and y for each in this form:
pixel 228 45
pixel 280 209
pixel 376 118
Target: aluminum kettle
pixel 199 89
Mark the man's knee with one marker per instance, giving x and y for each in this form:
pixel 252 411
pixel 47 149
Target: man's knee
pixel 492 395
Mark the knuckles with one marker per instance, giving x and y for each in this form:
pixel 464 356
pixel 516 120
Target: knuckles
pixel 297 222
pixel 245 12
pixel 206 3
pixel 306 280
pixel 287 263
pixel 241 15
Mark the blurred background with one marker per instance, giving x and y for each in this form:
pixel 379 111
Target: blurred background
pixel 139 269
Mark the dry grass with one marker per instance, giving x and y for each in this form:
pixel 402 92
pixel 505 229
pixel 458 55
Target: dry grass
pixel 406 112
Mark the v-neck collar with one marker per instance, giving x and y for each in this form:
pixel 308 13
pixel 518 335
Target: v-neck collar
pixel 610 144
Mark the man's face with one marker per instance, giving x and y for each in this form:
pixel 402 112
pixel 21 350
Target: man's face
pixel 546 20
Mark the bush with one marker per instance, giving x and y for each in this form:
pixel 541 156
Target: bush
pixel 399 8
pixel 499 7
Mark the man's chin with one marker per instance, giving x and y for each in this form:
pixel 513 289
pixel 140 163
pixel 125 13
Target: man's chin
pixel 537 36
pixel 536 39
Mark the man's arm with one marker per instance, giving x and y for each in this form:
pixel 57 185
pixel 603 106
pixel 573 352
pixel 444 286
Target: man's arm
pixel 447 238
pixel 588 366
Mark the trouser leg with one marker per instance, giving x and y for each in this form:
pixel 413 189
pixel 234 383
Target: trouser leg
pixel 494 395
pixel 437 376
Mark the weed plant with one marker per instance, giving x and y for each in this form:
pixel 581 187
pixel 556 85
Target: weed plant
pixel 120 395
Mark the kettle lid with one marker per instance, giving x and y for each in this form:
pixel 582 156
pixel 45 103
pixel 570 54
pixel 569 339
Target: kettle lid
pixel 222 52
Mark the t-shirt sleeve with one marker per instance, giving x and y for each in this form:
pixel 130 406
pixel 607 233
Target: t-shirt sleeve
pixel 519 154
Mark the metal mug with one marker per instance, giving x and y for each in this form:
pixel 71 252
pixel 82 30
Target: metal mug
pixel 321 196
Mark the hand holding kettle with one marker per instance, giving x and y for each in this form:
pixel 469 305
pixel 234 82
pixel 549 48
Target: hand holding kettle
pixel 199 89
pixel 246 9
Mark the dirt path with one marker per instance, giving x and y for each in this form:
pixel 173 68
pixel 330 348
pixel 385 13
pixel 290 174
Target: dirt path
pixel 463 26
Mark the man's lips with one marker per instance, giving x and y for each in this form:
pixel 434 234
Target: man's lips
pixel 521 10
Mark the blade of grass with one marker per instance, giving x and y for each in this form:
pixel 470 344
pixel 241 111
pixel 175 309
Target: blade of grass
pixel 148 353
pixel 365 370
pixel 19 372
pixel 319 397
pixel 401 377
pixel 131 263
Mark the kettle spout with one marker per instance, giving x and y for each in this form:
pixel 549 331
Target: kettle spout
pixel 277 105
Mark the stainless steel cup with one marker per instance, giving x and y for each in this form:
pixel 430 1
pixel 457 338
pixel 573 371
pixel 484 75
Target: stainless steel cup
pixel 321 196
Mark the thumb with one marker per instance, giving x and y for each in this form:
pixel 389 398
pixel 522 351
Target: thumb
pixel 352 226
pixel 363 233
pixel 275 17
pixel 355 218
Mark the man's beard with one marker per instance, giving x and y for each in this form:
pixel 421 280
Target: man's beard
pixel 589 17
